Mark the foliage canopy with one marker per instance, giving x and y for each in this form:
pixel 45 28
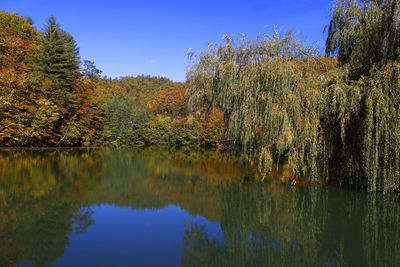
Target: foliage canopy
pixel 283 100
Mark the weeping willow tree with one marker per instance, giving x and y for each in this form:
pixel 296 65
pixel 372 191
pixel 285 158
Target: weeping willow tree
pixel 365 37
pixel 283 100
pixel 271 92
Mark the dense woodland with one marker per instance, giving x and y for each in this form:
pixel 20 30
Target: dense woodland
pixel 50 97
pixel 332 117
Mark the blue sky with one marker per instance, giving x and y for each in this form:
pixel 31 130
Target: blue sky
pixel 127 37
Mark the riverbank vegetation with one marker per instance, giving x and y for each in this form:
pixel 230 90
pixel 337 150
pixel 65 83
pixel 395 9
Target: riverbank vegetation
pixel 333 116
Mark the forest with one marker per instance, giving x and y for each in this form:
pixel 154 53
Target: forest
pixel 331 116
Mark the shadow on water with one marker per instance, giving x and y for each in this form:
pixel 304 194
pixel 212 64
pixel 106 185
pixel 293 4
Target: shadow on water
pixel 46 196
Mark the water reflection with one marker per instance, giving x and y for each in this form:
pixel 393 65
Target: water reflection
pixel 309 227
pixel 48 196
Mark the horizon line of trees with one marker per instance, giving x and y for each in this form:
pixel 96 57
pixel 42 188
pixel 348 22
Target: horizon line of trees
pixel 50 97
pixel 332 117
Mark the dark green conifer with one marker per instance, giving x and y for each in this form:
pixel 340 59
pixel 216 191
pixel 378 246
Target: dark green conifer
pixel 57 57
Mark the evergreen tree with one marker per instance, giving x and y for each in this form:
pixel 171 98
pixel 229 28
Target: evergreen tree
pixel 57 57
pixel 90 70
pixel 55 76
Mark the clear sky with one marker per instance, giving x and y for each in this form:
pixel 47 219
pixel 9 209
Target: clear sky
pixel 128 37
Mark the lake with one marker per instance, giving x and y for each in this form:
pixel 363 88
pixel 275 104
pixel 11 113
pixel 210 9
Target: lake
pixel 159 207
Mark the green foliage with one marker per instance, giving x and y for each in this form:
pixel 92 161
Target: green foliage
pixel 46 99
pixel 273 96
pixel 87 117
pixel 157 131
pixel 19 25
pixel 185 132
pixel 43 121
pixel 90 70
pixel 125 121
pixel 54 74
pixel 366 38
pixel 142 89
pixel 282 100
pixel 57 57
pixel 137 99
pixel 364 33
pixel 380 161
pixel 268 90
pixel 43 100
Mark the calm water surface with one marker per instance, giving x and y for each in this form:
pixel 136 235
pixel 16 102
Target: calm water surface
pixel 161 208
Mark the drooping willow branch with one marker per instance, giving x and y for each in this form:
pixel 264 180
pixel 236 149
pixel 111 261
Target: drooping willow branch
pixel 282 99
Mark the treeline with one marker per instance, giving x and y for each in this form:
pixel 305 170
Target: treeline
pixel 334 118
pixel 50 97
pixel 45 98
pixel 147 110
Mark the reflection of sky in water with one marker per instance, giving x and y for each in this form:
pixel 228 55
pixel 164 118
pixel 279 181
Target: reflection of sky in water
pixel 53 196
pixel 126 237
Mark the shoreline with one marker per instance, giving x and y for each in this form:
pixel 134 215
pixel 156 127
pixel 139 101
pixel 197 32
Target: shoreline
pixel 46 148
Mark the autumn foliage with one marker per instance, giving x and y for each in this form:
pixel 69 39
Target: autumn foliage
pixel 38 108
pixel 332 117
pixel 17 40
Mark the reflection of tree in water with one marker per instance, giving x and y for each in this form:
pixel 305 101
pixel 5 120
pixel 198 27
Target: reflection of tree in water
pixel 45 237
pixel 242 248
pixel 46 195
pixel 42 203
pixel 314 226
pixel 41 238
pixel 82 220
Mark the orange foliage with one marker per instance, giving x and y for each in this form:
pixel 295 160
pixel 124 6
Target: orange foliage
pixel 15 99
pixel 171 102
pixel 32 112
pixel 214 129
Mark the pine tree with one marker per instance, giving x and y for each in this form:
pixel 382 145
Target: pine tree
pixel 55 75
pixel 57 57
pixel 54 68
